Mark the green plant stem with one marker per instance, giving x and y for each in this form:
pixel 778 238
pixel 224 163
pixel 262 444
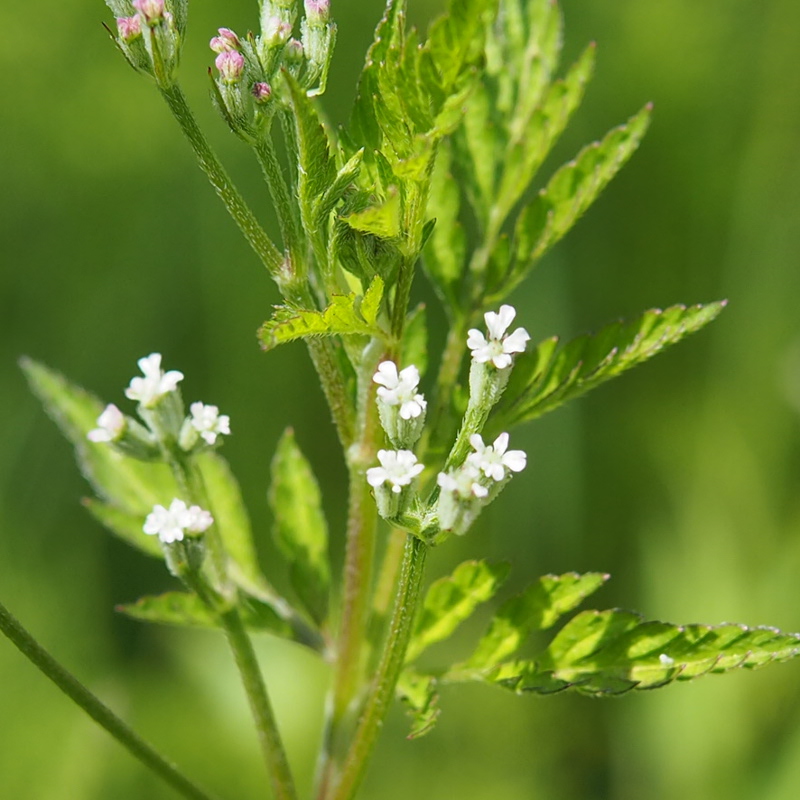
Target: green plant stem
pixel 271 744
pixel 385 680
pixel 96 709
pixel 235 204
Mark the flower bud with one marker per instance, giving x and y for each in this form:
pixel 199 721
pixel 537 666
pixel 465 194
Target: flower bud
pixel 275 32
pixel 317 11
pixel 129 28
pixel 230 64
pixel 293 52
pixel 226 40
pixel 151 10
pixel 262 92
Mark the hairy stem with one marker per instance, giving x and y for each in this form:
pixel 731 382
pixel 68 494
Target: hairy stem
pixel 96 709
pixel 271 744
pixel 385 680
pixel 235 204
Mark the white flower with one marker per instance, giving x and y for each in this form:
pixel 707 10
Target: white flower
pixel 665 660
pixel 170 524
pixel 463 482
pixel 208 422
pixel 110 425
pixel 498 348
pixel 155 384
pixel 400 389
pixel 398 467
pixel 493 460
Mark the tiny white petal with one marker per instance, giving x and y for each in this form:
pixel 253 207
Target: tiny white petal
pixel 500 444
pixel 666 660
pixel 497 323
pixel 516 342
pixel 387 375
pixel 515 460
pixel 110 425
pixel 501 360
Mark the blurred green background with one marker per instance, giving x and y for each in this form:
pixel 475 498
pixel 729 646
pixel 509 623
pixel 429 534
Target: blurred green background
pixel 680 479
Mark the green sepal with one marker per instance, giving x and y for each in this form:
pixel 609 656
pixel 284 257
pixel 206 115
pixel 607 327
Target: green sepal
pixel 349 314
pixel 539 607
pixel 612 652
pixel 547 377
pixel 300 529
pixel 452 599
pixel 129 485
pixel 419 694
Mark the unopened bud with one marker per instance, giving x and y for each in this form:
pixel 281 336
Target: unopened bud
pixel 226 40
pixel 129 28
pixel 151 10
pixel 294 52
pixel 275 31
pixel 230 65
pixel 262 92
pixel 317 11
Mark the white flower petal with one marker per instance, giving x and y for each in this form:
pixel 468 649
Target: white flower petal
pixel 515 460
pixel 387 375
pixel 516 342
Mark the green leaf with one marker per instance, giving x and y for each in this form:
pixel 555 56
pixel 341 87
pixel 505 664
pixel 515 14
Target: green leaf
pixel 539 607
pixel 131 486
pixel 334 193
pixel 569 193
pixel 316 168
pixel 125 525
pixel 451 600
pixel 300 529
pixel 381 219
pixel 232 521
pixel 419 694
pixel 546 377
pixel 187 610
pixel 415 340
pixel 346 315
pixel 611 652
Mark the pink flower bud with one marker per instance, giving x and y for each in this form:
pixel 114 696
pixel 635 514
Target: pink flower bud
pixel 275 31
pixel 227 40
pixel 262 92
pixel 318 10
pixel 151 10
pixel 230 65
pixel 129 28
pixel 294 51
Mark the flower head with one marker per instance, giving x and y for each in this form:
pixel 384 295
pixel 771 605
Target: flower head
pixel 400 389
pixel 230 64
pixel 275 31
pixel 463 482
pixel 262 92
pixel 208 422
pixel 398 468
pixel 155 383
pixel 317 10
pixel 151 10
pixel 225 41
pixel 493 460
pixel 498 348
pixel 111 425
pixel 129 28
pixel 171 524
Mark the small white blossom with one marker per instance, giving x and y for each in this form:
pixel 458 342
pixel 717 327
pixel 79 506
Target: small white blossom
pixel 170 524
pixel 400 389
pixel 493 460
pixel 155 384
pixel 110 425
pixel 208 422
pixel 463 482
pixel 398 467
pixel 666 660
pixel 498 348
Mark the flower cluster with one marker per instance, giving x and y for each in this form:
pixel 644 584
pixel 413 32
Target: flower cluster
pixel 173 523
pixel 498 348
pixel 398 468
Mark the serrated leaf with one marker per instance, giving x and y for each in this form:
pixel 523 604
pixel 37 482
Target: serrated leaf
pixel 343 317
pixel 232 521
pixel 419 694
pixel 611 652
pixel 334 193
pixel 381 219
pixel 539 607
pixel 316 168
pixel 548 377
pixel 132 486
pixel 300 529
pixel 187 610
pixel 569 193
pixel 125 525
pixel 452 599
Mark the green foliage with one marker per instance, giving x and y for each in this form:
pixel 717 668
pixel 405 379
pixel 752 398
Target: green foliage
pixel 347 315
pixel 419 694
pixel 125 525
pixel 547 377
pixel 132 487
pixel 300 529
pixel 452 599
pixel 539 607
pixel 612 652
